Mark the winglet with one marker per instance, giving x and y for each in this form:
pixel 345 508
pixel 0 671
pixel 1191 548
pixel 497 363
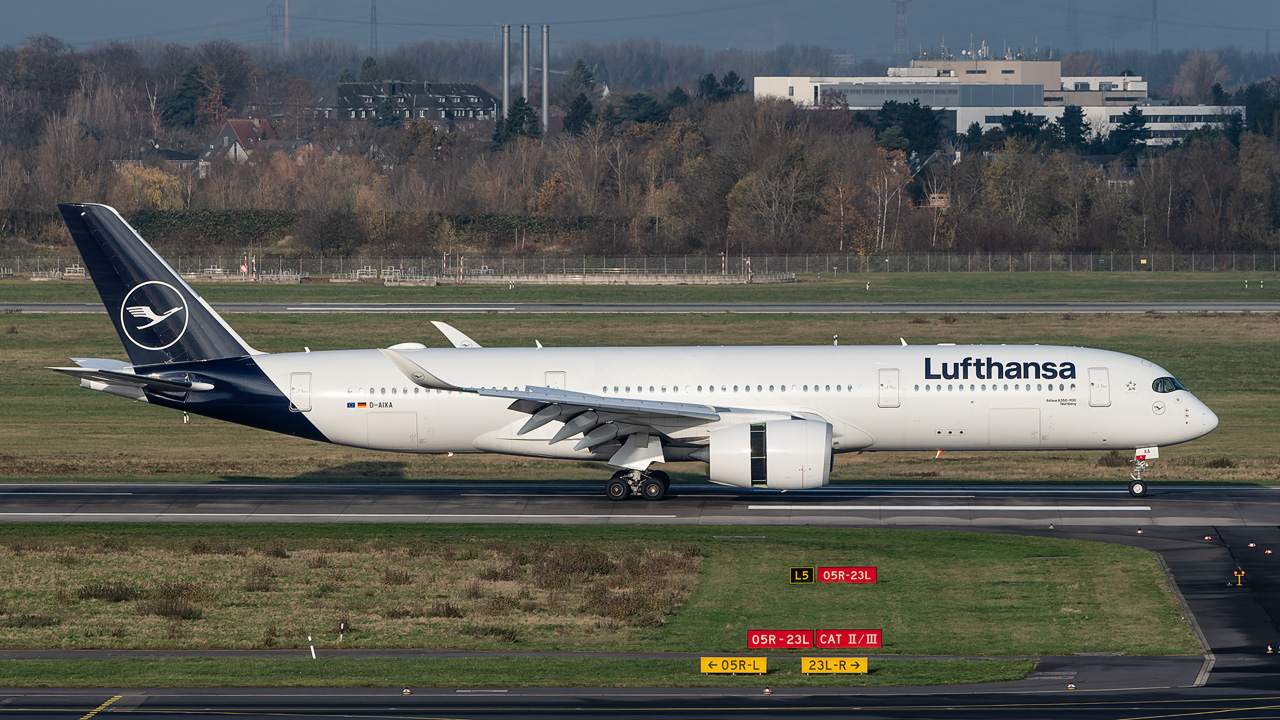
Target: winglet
pixel 455 336
pixel 416 372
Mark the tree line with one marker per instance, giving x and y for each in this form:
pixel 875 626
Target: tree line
pixel 697 166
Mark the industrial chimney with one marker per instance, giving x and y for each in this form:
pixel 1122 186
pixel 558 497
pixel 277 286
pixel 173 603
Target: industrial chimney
pixel 546 80
pixel 506 70
pixel 524 48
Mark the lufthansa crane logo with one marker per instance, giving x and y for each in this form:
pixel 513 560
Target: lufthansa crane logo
pixel 154 315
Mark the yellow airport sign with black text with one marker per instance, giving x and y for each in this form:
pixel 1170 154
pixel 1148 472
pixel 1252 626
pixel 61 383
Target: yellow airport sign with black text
pixel 802 575
pixel 740 665
pixel 833 665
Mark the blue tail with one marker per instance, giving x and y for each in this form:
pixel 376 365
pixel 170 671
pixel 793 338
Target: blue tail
pixel 159 317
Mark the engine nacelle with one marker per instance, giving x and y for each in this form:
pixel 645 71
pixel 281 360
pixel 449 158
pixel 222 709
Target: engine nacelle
pixel 777 454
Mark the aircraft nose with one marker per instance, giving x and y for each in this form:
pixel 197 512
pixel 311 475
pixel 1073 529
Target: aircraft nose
pixel 1210 418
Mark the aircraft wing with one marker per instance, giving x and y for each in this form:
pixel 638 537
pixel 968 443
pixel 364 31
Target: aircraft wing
pixel 599 419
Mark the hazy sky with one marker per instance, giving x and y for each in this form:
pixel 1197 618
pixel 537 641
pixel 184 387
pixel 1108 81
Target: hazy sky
pixel 864 28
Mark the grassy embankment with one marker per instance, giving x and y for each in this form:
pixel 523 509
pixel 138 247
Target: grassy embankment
pixel 961 287
pixel 51 429
pixel 557 588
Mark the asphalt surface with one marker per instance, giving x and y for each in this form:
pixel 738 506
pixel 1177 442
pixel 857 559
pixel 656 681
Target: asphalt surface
pixel 1202 534
pixel 684 308
pixel 1018 506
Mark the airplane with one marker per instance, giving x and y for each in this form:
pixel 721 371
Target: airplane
pixel 760 417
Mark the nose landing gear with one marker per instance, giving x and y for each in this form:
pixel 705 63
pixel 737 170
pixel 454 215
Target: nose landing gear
pixel 650 485
pixel 1138 486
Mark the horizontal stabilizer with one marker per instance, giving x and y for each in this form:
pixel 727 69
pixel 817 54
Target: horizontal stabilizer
pixel 128 379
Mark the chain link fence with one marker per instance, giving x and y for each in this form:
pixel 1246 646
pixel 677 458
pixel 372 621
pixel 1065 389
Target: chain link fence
pixel 811 264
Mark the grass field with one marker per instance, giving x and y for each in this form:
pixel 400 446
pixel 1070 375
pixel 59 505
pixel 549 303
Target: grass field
pixel 49 428
pixel 479 672
pixel 571 588
pixel 885 287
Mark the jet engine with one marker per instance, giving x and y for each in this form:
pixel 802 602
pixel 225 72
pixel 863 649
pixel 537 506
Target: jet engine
pixel 777 454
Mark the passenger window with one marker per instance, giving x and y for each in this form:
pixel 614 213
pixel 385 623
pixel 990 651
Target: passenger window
pixel 917 388
pixel 384 391
pixel 770 388
pixel 828 388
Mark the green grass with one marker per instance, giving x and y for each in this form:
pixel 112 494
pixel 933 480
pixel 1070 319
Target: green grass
pixel 939 593
pixel 478 672
pixel 961 287
pixel 51 429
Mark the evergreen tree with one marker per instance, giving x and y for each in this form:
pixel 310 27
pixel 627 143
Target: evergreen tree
pixel 581 78
pixel 520 120
pixel 918 124
pixel 579 115
pixel 386 113
pixel 677 97
pixel 346 76
pixel 1072 128
pixel 973 136
pixel 369 71
pixel 1021 124
pixel 181 105
pixel 1130 136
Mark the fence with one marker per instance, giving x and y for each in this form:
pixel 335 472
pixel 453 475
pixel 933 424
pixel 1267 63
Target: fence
pixel 811 264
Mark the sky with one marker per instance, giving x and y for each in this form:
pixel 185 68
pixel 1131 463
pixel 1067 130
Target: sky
pixel 863 28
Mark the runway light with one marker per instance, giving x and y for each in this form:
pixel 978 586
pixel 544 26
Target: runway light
pixel 406 691
pixel 1208 537
pixel 1266 552
pixel 767 691
pixel 1071 686
pixel 1253 544
pixel 1139 531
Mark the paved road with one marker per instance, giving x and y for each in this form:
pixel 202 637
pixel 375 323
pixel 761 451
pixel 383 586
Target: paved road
pixel 966 506
pixel 1201 533
pixel 684 308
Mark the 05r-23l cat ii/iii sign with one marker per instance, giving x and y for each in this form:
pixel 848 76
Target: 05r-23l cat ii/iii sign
pixel 767 417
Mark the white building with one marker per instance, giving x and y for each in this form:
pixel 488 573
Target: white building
pixel 983 91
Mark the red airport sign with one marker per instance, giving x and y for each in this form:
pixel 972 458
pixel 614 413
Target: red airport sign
pixel 846 574
pixel 768 639
pixel 848 638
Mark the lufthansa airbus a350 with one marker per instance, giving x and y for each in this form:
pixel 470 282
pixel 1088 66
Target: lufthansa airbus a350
pixel 765 417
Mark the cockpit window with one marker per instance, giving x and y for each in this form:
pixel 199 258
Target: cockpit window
pixel 1166 385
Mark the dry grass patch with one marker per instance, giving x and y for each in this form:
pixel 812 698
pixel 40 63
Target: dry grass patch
pixel 464 593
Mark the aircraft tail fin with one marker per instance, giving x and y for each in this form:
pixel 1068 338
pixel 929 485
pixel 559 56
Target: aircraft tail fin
pixel 159 317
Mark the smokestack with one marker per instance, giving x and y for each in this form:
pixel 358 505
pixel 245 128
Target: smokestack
pixel 506 70
pixel 524 47
pixel 546 77
pixel 288 27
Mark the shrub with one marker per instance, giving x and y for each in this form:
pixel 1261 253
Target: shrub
pixel 395 576
pixel 276 549
pixel 259 585
pixel 319 562
pixel 174 608
pixel 1113 459
pixel 444 610
pixel 1221 463
pixel 263 571
pixel 109 591
pixel 31 620
pixel 204 546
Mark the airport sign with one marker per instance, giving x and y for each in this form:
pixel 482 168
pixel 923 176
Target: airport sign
pixel 735 665
pixel 801 575
pixel 848 638
pixel 833 665
pixel 766 639
pixel 846 574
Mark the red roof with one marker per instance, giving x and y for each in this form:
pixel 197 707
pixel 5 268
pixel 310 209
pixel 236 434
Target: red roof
pixel 249 132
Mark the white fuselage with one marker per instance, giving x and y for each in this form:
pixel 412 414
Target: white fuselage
pixel 976 397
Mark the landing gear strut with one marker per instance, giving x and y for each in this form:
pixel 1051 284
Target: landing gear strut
pixel 1138 486
pixel 650 485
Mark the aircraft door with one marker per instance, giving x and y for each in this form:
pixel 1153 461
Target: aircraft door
pixel 554 379
pixel 300 392
pixel 889 388
pixel 1099 388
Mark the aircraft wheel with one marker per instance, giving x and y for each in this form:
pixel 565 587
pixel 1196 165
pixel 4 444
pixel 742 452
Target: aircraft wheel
pixel 1137 488
pixel 663 478
pixel 617 489
pixel 653 489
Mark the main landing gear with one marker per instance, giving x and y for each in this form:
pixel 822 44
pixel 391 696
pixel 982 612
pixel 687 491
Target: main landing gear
pixel 650 485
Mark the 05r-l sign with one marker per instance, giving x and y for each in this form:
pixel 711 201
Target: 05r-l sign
pixel 846 574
